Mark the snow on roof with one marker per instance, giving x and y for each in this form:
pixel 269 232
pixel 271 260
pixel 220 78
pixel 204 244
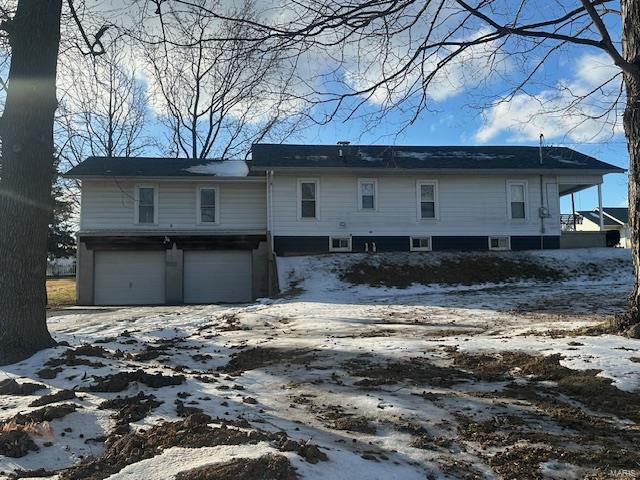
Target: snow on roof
pixel 221 168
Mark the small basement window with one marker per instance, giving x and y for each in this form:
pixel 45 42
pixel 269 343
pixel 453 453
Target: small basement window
pixel 499 243
pixel 420 244
pixel 339 244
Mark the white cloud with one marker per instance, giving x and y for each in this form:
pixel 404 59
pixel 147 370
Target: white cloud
pixel 560 112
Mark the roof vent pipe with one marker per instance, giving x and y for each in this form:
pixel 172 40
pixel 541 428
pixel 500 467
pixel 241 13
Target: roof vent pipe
pixel 540 148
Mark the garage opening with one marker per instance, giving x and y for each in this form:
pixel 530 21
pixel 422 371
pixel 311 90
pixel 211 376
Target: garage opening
pixel 129 278
pixel 217 276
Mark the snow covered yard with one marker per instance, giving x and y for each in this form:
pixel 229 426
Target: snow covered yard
pixel 340 380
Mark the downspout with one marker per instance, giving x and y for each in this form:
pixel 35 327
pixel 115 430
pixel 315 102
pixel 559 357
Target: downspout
pixel 541 209
pixel 272 271
pixel 270 175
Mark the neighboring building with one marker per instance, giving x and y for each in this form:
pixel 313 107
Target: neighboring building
pixel 156 231
pixel 613 218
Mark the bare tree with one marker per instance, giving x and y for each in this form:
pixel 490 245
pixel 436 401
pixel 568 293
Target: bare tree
pixel 217 96
pixel 102 110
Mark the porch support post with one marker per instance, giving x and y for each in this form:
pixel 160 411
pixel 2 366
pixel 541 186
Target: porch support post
pixel 600 207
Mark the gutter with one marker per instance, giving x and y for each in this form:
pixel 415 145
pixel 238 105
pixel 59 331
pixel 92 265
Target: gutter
pixel 440 171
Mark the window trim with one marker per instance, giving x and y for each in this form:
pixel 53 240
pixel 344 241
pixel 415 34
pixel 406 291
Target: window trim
pixel 340 249
pixel 436 199
pixel 136 209
pixel 525 186
pixel 420 249
pixel 500 249
pixel 362 181
pixel 216 218
pixel 299 199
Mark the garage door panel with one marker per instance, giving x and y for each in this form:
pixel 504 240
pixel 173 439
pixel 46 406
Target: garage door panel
pixel 129 278
pixel 212 276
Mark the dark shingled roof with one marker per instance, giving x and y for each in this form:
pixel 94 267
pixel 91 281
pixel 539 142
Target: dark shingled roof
pixel 619 213
pixel 595 218
pixel 267 156
pixel 141 167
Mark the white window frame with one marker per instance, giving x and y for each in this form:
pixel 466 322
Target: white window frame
pixel 500 249
pixel 340 249
pixel 216 218
pixel 525 186
pixel 420 249
pixel 299 199
pixel 436 199
pixel 362 181
pixel 136 209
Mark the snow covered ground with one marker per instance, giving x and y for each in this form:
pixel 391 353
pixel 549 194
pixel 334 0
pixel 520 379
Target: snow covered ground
pixel 387 382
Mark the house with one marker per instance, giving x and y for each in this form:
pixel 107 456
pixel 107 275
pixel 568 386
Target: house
pixel 165 230
pixel 613 218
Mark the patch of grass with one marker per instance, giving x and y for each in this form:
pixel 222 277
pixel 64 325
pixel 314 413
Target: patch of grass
pixel 585 386
pixel 416 371
pixel 259 357
pixel 462 269
pixel 61 291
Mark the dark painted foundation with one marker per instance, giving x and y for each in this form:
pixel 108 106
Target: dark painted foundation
pixel 298 245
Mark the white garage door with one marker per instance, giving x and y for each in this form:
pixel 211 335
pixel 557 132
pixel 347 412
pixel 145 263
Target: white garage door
pixel 129 278
pixel 217 276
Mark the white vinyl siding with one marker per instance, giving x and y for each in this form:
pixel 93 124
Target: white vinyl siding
pixel 107 205
pixel 472 205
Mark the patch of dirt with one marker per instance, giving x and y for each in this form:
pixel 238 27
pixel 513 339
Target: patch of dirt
pixel 230 322
pixel 9 386
pixel 335 416
pixel 120 381
pixel 192 432
pixel 16 443
pixel 260 357
pixel 461 269
pixel 183 410
pixel 48 373
pixel 38 473
pixel 45 414
pixel 585 386
pixel 522 462
pixel 130 409
pixel 267 467
pixel 59 396
pixel 70 359
pixel 416 371
pixel 354 424
pixel 91 351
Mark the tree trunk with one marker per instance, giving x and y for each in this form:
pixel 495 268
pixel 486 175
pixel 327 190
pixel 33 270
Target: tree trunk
pixel 631 52
pixel 26 131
